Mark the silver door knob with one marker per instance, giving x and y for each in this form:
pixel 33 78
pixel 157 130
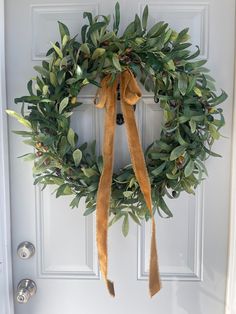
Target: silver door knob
pixel 25 250
pixel 25 290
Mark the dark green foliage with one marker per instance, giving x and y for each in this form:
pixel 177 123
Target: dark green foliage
pixel 162 61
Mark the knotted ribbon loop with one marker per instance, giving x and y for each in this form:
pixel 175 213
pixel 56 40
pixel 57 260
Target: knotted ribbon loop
pixel 130 94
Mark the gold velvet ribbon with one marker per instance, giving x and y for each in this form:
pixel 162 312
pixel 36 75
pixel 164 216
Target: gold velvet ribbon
pixel 130 94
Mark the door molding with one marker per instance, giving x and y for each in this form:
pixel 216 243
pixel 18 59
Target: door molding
pixel 6 286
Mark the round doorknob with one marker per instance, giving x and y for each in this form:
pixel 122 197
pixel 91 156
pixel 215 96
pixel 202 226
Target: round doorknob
pixel 25 290
pixel 25 250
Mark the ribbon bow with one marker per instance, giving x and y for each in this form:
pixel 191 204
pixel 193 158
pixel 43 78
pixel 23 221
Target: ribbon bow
pixel 130 94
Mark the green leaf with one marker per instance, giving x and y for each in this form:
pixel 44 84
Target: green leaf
pixel 64 189
pixel 89 211
pixel 159 169
pixel 85 49
pixel 75 202
pixel 218 100
pixel 71 137
pixel 125 225
pixel 89 172
pixel 28 157
pixel 183 36
pixel 214 133
pixel 197 91
pixel 19 118
pixel 183 83
pixel 135 218
pixel 195 65
pixel 155 29
pixel 42 71
pixel 96 27
pixel 64 31
pixel 145 17
pixel 63 104
pixel 177 152
pixel 116 218
pixel 191 84
pixel 58 50
pixel 98 53
pixel 165 208
pixel 127 194
pixel 77 156
pixel 53 79
pixel 79 72
pixel 89 16
pixel 116 18
pixel 192 125
pixel 63 146
pixel 116 62
pixel 170 65
pixel 189 168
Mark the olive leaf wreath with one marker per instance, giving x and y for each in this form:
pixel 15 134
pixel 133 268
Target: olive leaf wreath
pixel 160 58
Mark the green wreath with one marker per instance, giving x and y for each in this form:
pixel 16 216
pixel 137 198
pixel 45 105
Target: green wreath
pixel 160 58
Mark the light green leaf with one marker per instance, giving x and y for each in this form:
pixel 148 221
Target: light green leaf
pixel 85 49
pixel 89 172
pixel 79 72
pixel 58 50
pixel 170 65
pixel 45 90
pixel 189 168
pixel 177 152
pixel 127 193
pixel 192 125
pixel 71 137
pixel 65 40
pixel 116 62
pixel 77 156
pixel 214 133
pixel 53 79
pixel 63 104
pixel 182 83
pixel 145 17
pixel 98 53
pixel 125 225
pixel 19 118
pixel 197 91
pixel 42 71
pixel 64 31
pixel 64 189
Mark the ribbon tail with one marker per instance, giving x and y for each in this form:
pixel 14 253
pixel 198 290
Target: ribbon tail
pixel 154 274
pixel 140 170
pixel 104 188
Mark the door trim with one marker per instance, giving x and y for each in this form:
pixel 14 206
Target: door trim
pixel 230 307
pixel 6 285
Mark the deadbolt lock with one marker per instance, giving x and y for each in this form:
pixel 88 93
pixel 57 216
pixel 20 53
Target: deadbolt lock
pixel 25 250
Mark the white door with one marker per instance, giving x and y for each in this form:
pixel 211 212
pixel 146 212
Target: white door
pixel 192 245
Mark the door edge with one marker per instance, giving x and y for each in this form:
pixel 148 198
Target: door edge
pixel 6 283
pixel 230 305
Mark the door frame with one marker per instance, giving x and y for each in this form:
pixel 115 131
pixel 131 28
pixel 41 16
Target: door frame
pixel 6 279
pixel 6 285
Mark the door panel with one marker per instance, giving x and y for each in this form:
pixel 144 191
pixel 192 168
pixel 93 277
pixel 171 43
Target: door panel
pixel 192 245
